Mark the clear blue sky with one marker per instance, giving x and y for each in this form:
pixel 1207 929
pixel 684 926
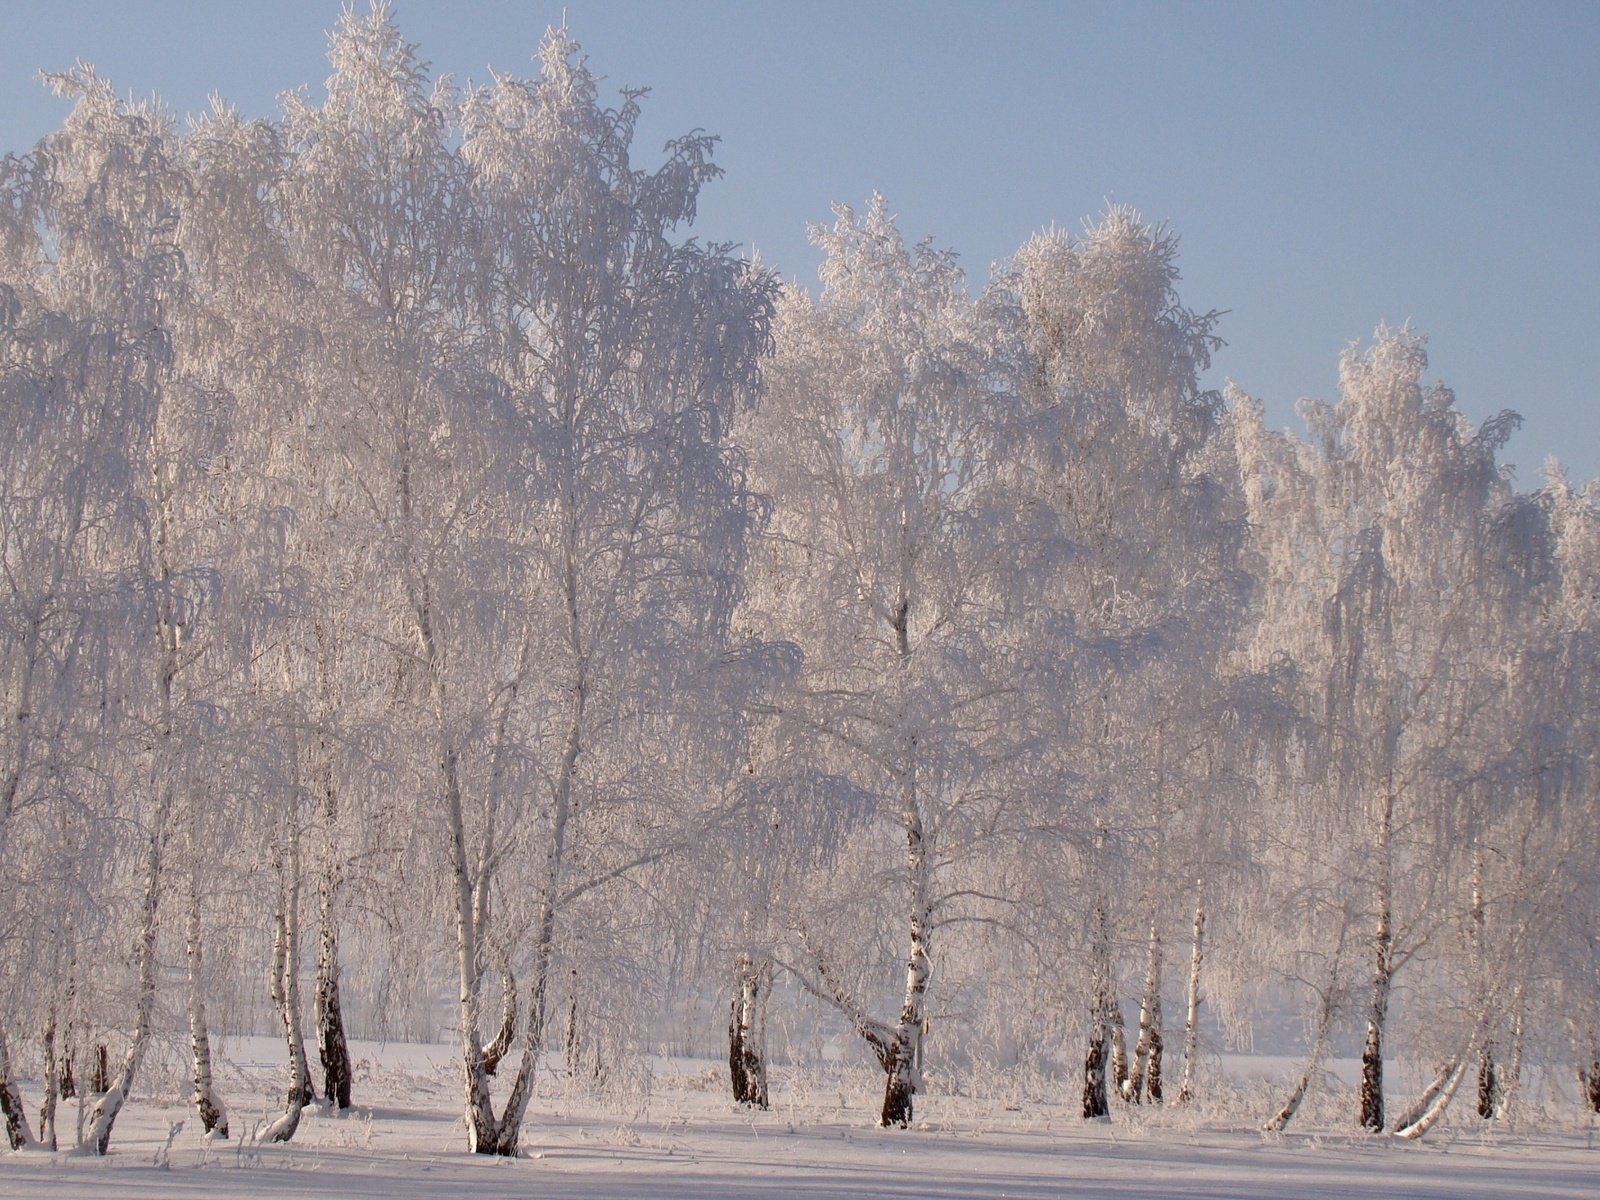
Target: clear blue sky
pixel 1328 166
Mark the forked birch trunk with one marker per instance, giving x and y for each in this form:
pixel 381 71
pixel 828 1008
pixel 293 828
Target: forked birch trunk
pixel 496 1050
pixel 1191 1020
pixel 1146 1077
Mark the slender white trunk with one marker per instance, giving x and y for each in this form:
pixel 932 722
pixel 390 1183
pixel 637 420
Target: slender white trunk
pixel 1513 1071
pixel 104 1114
pixel 1119 1047
pixel 1319 1041
pixel 903 1080
pixel 1191 1020
pixel 286 988
pixel 1291 1106
pixel 1145 1079
pixel 1100 1001
pixel 333 1049
pixel 213 1116
pixel 1371 1097
pixel 1425 1113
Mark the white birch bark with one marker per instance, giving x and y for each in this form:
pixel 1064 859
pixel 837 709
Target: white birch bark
pixel 1100 1002
pixel 1191 1020
pixel 213 1115
pixel 1371 1094
pixel 12 1110
pixel 103 1116
pixel 286 988
pixel 1145 1079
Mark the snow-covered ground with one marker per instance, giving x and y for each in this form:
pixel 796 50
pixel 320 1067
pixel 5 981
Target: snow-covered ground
pixel 676 1136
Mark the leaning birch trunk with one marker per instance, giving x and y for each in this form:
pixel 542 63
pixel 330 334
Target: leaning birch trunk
pixel 1191 1020
pixel 1146 1076
pixel 104 1114
pixel 213 1116
pixel 286 989
pixel 1319 1043
pixel 1291 1106
pixel 1094 1060
pixel 747 1060
pixel 1423 1115
pixel 12 1110
pixel 1371 1114
pixel 498 1049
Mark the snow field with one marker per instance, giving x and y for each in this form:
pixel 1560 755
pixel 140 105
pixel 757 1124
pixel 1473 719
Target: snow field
pixel 677 1137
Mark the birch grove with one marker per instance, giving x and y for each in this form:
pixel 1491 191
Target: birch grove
pixel 443 596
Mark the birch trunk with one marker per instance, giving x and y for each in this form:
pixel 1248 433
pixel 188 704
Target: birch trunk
pixel 12 1111
pixel 1488 1077
pixel 103 1117
pixel 1431 1105
pixel 1146 1076
pixel 1371 1115
pixel 213 1116
pixel 286 990
pixel 901 1065
pixel 1319 1044
pixel 1119 1046
pixel 747 1054
pixel 1094 1060
pixel 496 1050
pixel 47 1108
pixel 1191 1020
pixel 1513 1072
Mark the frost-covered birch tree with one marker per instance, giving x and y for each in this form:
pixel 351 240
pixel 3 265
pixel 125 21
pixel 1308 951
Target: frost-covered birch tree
pixel 1385 569
pixel 875 440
